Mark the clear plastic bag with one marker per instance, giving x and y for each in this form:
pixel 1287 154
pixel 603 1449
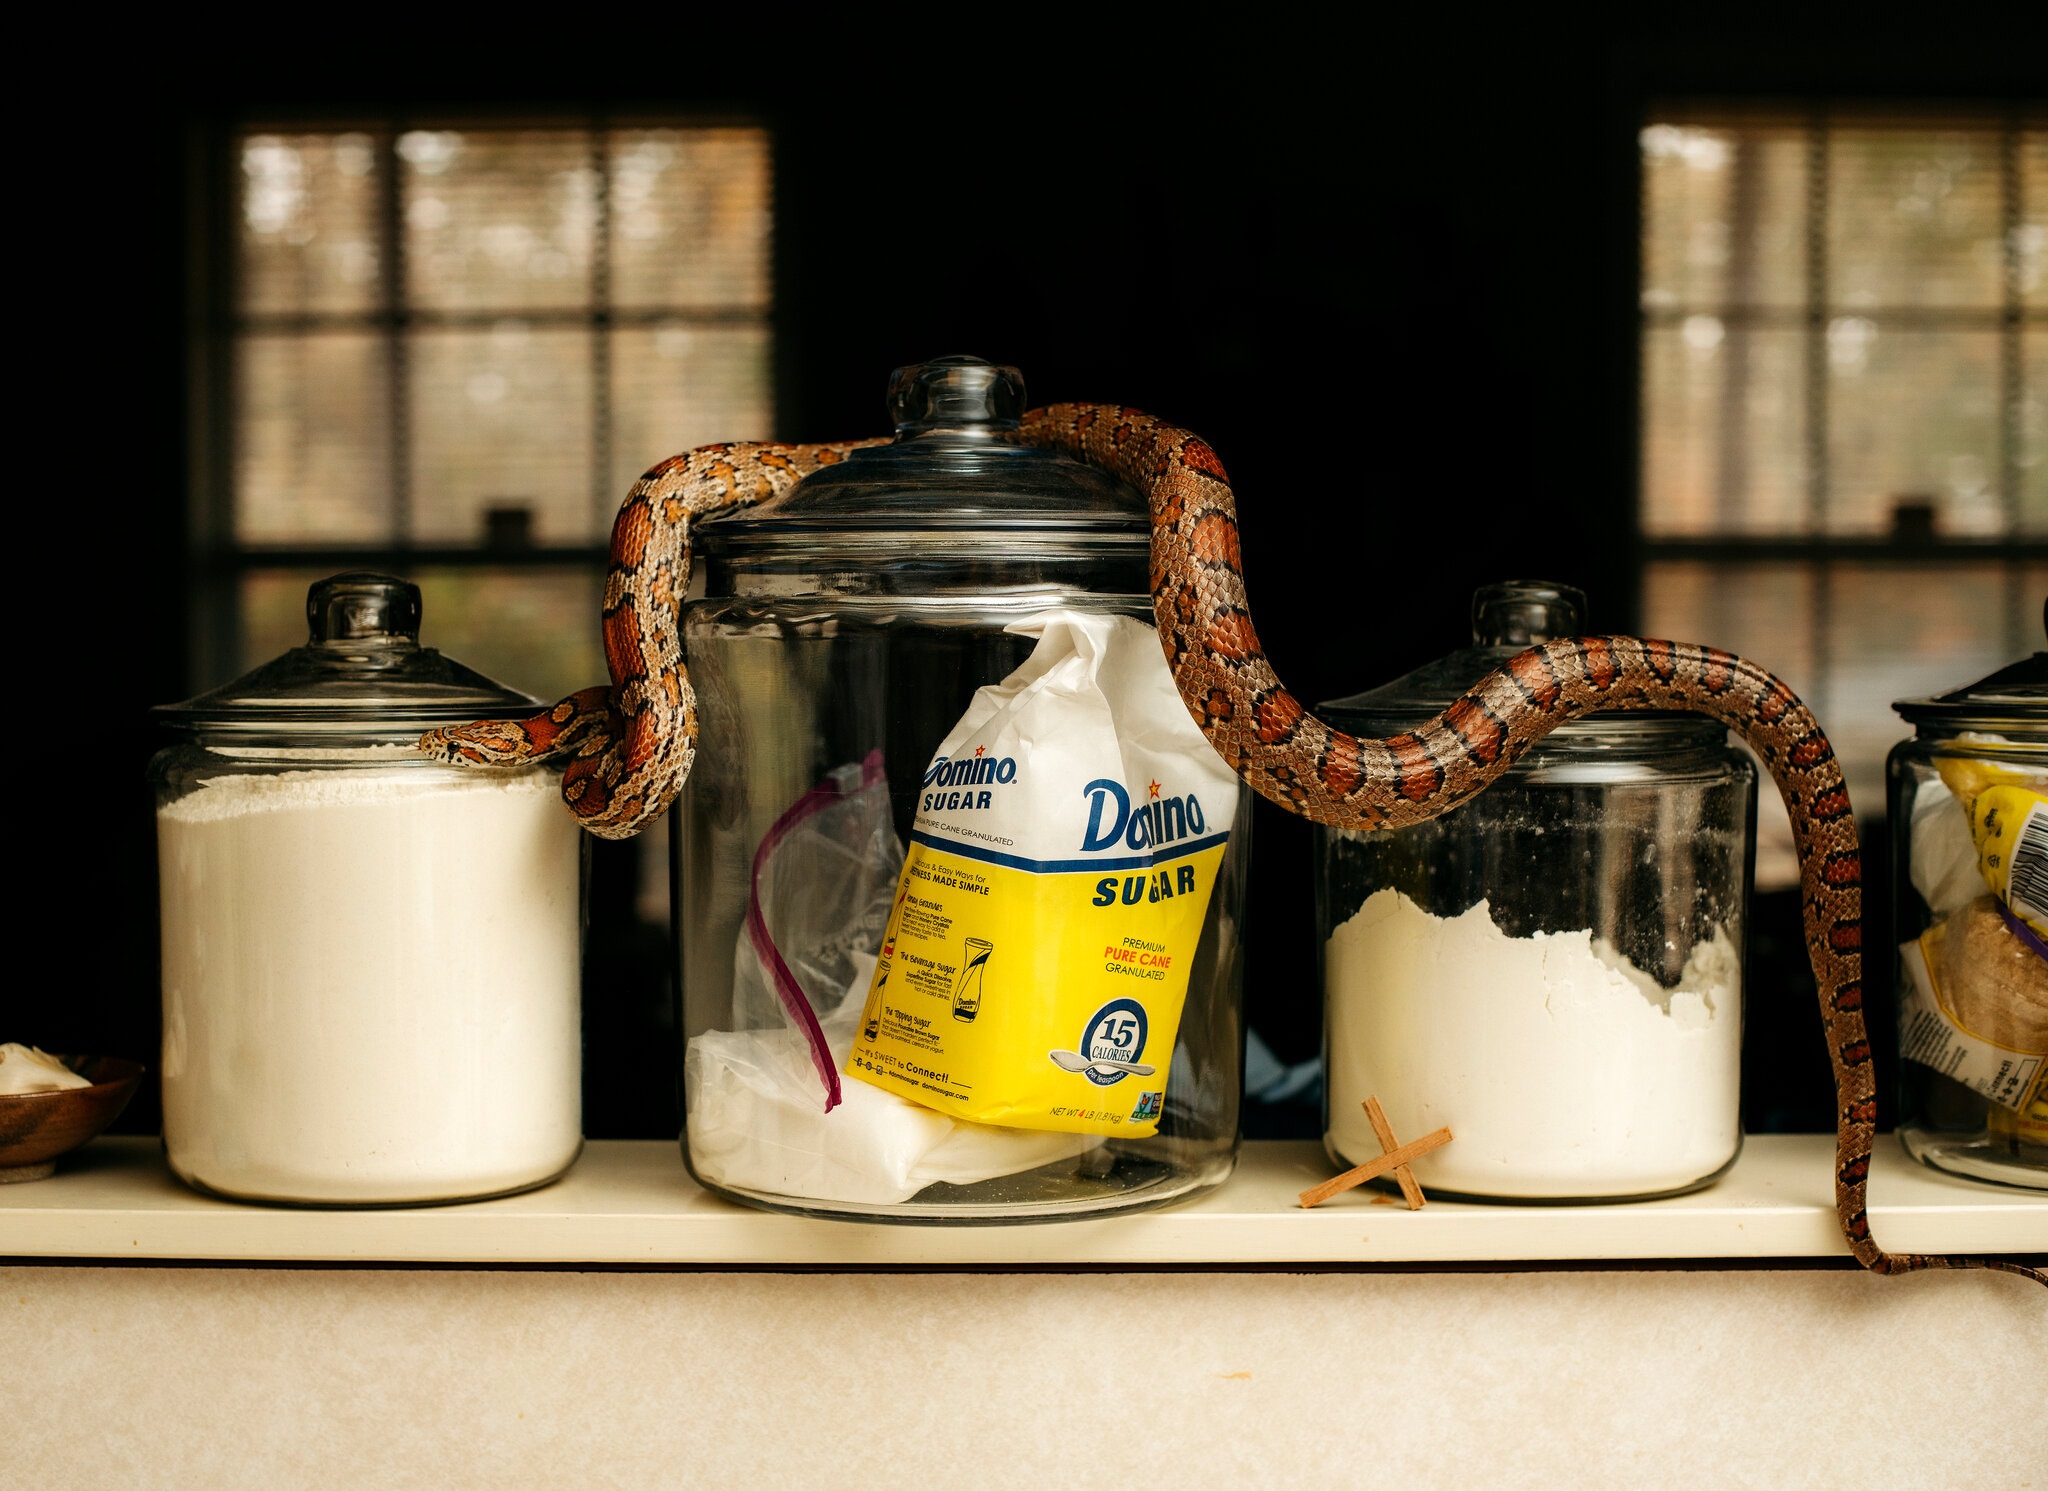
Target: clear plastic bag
pixel 767 1111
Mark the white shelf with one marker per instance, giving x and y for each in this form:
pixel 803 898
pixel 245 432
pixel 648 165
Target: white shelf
pixel 632 1202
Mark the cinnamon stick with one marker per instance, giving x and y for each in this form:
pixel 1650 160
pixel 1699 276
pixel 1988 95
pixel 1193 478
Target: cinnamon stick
pixel 1358 1176
pixel 1411 1191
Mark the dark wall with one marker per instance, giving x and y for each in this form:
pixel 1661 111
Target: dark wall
pixel 1390 276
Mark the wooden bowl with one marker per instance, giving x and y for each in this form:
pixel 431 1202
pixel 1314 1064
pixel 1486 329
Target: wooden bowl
pixel 36 1127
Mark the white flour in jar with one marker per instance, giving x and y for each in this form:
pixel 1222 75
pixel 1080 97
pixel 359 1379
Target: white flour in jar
pixel 371 983
pixel 1560 1068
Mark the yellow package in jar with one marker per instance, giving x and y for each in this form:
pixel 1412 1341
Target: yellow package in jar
pixel 1068 837
pixel 2010 828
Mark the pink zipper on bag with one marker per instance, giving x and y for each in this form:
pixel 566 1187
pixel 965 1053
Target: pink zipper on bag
pixel 795 1002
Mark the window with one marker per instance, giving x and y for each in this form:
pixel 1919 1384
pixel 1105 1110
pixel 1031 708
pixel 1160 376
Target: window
pixel 1844 343
pixel 451 349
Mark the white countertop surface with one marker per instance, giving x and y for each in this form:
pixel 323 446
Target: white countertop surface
pixel 631 1201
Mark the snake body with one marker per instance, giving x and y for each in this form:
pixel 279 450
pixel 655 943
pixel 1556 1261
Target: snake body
pixel 629 746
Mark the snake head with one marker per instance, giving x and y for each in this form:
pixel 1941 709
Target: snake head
pixel 556 731
pixel 481 743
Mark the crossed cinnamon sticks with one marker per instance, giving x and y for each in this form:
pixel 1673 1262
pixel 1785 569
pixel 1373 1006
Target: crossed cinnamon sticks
pixel 1394 1158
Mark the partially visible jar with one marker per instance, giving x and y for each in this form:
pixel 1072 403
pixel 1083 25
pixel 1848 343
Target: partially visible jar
pixel 1968 798
pixel 371 960
pixel 1554 969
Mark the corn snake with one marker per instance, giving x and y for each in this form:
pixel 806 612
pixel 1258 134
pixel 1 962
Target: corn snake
pixel 630 746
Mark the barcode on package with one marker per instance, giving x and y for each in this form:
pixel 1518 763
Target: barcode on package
pixel 2027 892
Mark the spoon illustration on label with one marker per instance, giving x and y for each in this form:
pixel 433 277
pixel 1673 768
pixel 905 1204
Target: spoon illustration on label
pixel 1074 1061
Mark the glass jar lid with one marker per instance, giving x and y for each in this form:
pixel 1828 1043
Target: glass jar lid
pixel 957 481
pixel 361 673
pixel 1509 618
pixel 2016 696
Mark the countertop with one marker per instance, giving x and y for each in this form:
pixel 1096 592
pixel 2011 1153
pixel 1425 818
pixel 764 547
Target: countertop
pixel 632 1202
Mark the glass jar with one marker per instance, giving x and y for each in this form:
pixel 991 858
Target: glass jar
pixel 371 960
pixel 1553 970
pixel 1968 800
pixel 838 637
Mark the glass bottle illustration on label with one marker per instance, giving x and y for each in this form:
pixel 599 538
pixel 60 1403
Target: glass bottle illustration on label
pixel 871 1015
pixel 967 993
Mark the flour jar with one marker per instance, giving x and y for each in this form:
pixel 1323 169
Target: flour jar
pixel 855 645
pixel 1969 820
pixel 1553 970
pixel 371 961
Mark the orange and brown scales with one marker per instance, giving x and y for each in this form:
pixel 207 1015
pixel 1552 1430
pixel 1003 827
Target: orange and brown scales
pixel 1230 636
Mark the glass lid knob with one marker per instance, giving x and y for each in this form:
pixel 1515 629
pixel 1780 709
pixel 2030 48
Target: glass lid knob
pixel 1521 613
pixel 361 607
pixel 956 394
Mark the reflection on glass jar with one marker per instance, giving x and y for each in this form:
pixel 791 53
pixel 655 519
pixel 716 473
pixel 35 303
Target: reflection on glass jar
pixel 1554 969
pixel 1969 815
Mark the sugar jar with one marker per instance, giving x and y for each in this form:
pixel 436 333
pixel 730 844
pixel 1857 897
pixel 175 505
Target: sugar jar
pixel 960 886
pixel 371 961
pixel 1553 970
pixel 1968 806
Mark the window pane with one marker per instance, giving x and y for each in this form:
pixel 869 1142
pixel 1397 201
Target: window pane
pixel 1763 612
pixel 2033 242
pixel 690 217
pixel 498 219
pixel 1724 217
pixel 2033 433
pixel 501 419
pixel 676 386
pixel 1914 218
pixel 1850 639
pixel 1892 631
pixel 535 629
pixel 308 226
pixel 1723 429
pixel 312 452
pixel 1685 231
pixel 1912 418
pixel 1906 631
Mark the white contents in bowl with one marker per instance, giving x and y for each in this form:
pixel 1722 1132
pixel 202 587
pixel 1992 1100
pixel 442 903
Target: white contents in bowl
pixel 26 1069
pixel 371 983
pixel 1560 1067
